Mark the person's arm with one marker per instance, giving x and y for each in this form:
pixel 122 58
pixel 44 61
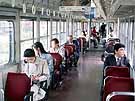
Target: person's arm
pixel 44 71
pixel 106 62
pixel 50 63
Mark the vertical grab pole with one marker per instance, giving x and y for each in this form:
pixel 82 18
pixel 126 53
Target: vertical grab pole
pixel 90 20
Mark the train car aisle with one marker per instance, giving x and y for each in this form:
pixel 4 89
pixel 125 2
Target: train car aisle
pixel 83 84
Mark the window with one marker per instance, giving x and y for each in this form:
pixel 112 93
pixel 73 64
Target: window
pixel 58 27
pixel 35 29
pixel 65 27
pixel 26 30
pixel 6 41
pixel 54 27
pixel 44 42
pixel 27 34
pixel 44 34
pixel 62 26
pixel 43 28
pixel 25 45
pixel 70 28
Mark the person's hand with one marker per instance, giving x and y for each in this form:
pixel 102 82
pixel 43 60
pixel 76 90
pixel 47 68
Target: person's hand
pixel 35 77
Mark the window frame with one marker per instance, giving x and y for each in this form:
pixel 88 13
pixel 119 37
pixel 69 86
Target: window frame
pixel 11 48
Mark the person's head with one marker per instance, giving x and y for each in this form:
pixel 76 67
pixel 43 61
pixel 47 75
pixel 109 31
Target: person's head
pixel 55 43
pixel 94 27
pixel 38 48
pixel 29 56
pixel 70 38
pixel 119 50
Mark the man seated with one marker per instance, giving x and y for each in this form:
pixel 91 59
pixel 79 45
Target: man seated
pixel 119 58
pixel 77 48
pixel 37 69
pixel 55 47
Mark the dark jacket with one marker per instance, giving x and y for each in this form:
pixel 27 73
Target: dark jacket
pixel 111 61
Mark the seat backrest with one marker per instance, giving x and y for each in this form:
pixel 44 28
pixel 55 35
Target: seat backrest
pixel 17 86
pixel 121 84
pixel 57 60
pixel 118 71
pixel 68 50
pixel 73 47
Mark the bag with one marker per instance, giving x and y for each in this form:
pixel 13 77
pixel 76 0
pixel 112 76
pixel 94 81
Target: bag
pixel 39 93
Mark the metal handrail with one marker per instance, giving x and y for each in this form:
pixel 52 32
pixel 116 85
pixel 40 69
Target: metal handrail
pixel 109 96
pixel 2 92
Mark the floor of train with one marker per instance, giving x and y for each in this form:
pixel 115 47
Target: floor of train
pixel 82 84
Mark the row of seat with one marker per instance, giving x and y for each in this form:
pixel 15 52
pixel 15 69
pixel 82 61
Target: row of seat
pixel 17 86
pixel 117 86
pixel 70 58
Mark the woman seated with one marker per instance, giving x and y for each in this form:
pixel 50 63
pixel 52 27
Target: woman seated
pixel 37 69
pixel 40 52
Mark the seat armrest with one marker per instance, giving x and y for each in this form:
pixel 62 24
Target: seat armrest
pixel 109 96
pixel 2 93
pixel 29 96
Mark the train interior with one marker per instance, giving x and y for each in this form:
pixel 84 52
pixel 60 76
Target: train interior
pixel 96 27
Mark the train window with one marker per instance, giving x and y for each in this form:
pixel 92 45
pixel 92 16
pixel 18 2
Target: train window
pixel 49 28
pixel 25 45
pixel 26 29
pixel 63 38
pixel 27 34
pixel 44 34
pixel 54 27
pixel 62 26
pixel 58 27
pixel 65 27
pixel 43 28
pixel 35 29
pixel 49 33
pixel 44 41
pixel 6 41
pixel 70 28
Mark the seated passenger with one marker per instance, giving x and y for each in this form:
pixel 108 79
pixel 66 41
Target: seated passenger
pixel 119 58
pixel 77 50
pixel 39 50
pixel 37 70
pixel 55 48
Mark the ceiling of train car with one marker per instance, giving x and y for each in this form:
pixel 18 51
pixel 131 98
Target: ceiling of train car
pixel 39 4
pixel 107 8
pixel 125 10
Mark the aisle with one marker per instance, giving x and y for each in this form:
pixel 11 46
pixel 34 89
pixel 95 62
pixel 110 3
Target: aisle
pixel 83 84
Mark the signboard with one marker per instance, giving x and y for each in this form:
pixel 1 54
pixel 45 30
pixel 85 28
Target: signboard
pixel 74 8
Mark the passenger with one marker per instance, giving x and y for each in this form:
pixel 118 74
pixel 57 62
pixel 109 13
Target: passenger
pixel 77 49
pixel 119 58
pixel 40 51
pixel 94 37
pixel 55 48
pixel 37 70
pixel 103 30
pixel 98 37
